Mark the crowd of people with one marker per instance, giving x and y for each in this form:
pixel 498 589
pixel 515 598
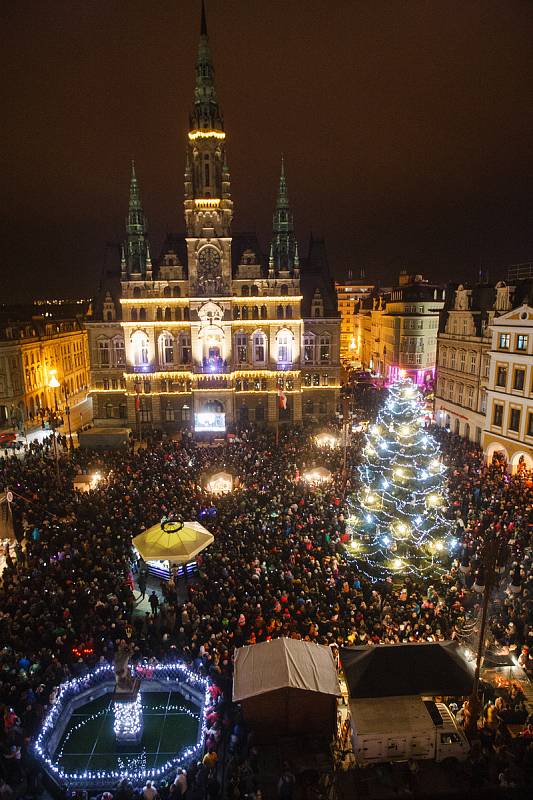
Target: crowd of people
pixel 277 567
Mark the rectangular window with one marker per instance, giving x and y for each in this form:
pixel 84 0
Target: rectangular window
pixel 501 376
pixel 462 360
pixel 242 348
pixel 522 341
pixel 519 379
pixel 324 348
pixel 259 349
pixel 103 353
pixel 307 379
pixel 514 420
pixel 497 414
pixel 325 379
pixel 473 363
pixel 452 359
pixel 530 424
pixel 460 393
pixel 470 396
pixel 504 341
pixel 316 379
pixel 483 405
pixel 451 389
pixel 185 346
pixel 309 350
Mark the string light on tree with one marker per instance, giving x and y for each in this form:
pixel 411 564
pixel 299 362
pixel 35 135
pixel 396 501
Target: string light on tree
pixel 397 521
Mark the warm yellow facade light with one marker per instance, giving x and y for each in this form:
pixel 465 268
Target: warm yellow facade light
pixel 207 202
pixel 206 135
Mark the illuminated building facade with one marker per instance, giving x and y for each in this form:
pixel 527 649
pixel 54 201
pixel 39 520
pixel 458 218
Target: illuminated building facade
pixel 30 354
pixel 508 428
pixel 214 331
pixel 463 359
pixel 349 292
pixel 397 330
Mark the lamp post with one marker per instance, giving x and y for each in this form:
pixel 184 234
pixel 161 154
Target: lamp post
pixel 53 383
pixel 492 564
pixel 67 412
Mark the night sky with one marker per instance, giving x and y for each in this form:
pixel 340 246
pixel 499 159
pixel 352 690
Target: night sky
pixel 407 129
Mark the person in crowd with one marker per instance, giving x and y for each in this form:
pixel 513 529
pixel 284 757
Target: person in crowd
pixel 277 567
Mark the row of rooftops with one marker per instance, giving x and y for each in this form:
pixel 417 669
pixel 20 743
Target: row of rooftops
pixel 246 251
pixel 43 319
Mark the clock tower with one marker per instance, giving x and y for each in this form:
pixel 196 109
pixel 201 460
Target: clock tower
pixel 208 205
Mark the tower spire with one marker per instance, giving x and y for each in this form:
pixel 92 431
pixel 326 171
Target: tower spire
pixel 203 22
pixel 207 179
pixel 206 112
pixel 284 250
pixel 135 251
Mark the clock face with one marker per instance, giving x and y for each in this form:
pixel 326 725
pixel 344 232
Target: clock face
pixel 209 260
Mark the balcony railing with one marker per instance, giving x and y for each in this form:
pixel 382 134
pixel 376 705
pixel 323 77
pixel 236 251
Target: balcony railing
pixel 213 366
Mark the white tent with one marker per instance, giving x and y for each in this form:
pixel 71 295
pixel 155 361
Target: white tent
pixel 286 686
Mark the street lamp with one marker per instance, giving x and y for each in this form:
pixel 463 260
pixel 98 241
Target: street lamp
pixel 491 567
pixel 53 383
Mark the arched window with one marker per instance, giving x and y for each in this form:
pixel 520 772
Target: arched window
pixel 166 291
pixel 109 316
pixel 236 312
pixel 133 315
pixel 142 315
pixel 284 341
pixel 288 312
pixel 136 291
pixel 255 312
pixel 177 314
pixel 284 290
pixel 264 312
pixel 259 347
pixel 186 312
pixel 244 312
pixel 166 349
pixel 176 291
pixel 279 312
pixel 168 314
pixel 254 290
pixel 159 314
pixel 245 291
pixel 140 349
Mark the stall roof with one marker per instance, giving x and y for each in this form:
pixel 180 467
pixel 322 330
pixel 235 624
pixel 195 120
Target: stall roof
pixel 177 546
pixel 284 663
pixel 403 669
pixel 385 714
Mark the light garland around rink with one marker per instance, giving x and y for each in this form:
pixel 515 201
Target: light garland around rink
pixel 396 524
pixel 134 771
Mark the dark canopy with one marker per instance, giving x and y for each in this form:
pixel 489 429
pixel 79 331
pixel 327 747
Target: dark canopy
pixel 401 669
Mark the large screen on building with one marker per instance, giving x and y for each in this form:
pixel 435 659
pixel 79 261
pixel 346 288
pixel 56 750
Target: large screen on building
pixel 209 421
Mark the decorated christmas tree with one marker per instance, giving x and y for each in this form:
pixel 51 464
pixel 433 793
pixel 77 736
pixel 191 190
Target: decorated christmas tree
pixel 397 524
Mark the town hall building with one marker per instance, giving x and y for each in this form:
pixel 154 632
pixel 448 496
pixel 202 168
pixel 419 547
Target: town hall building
pixel 214 333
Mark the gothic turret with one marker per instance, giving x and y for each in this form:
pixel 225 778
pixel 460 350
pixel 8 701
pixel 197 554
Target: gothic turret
pixel 284 250
pixel 208 203
pixel 135 261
